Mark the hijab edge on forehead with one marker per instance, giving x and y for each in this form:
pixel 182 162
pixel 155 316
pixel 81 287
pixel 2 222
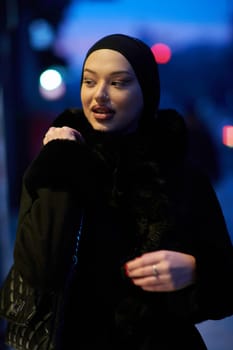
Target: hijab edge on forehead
pixel 143 62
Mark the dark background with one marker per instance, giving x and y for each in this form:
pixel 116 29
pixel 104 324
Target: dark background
pixel 197 81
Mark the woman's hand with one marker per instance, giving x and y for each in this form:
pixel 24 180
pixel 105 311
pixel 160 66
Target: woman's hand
pixel 162 271
pixel 64 132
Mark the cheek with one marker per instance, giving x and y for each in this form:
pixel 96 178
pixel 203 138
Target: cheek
pixel 126 99
pixel 85 103
pixel 134 103
pixel 86 93
pixel 83 95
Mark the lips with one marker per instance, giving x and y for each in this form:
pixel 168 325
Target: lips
pixel 102 112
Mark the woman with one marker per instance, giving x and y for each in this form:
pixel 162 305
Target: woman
pixel 154 257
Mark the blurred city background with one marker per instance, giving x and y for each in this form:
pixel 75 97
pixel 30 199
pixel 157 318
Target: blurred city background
pixel 42 46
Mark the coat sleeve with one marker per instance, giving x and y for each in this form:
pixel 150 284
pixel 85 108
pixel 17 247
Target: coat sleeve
pixel 214 256
pixel 50 209
pixel 211 297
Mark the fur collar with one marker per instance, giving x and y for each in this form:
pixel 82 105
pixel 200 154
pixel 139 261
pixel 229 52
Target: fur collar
pixel 143 171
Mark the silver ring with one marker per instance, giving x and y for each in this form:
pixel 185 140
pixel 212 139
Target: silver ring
pixel 155 271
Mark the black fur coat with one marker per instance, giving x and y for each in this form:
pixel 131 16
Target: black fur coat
pixel 138 195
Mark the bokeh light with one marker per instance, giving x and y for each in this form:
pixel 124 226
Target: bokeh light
pixel 51 84
pixel 162 53
pixel 227 135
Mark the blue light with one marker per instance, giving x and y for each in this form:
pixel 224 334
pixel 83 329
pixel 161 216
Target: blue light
pixel 41 34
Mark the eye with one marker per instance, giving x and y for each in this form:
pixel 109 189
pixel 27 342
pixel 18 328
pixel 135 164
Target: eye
pixel 121 83
pixel 88 82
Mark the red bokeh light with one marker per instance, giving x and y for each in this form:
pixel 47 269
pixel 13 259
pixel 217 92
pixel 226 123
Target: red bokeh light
pixel 227 135
pixel 161 52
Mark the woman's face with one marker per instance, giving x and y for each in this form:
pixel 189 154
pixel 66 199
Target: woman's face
pixel 110 93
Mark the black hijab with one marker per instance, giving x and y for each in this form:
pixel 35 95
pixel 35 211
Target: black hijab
pixel 143 63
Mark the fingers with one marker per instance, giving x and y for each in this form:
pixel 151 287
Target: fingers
pixel 144 271
pixel 155 270
pixel 162 270
pixel 145 264
pixel 64 132
pixel 146 259
pixel 148 280
pixel 161 283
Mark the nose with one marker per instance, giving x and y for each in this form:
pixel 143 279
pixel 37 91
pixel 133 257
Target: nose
pixel 101 94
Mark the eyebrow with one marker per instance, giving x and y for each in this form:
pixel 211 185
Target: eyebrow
pixel 113 73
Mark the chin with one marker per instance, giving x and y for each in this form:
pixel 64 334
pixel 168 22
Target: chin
pixel 102 127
